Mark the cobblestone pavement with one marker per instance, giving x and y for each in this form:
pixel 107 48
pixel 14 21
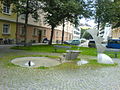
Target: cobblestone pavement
pixel 18 78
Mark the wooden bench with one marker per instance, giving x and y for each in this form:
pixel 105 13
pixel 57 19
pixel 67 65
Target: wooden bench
pixel 56 47
pixel 113 51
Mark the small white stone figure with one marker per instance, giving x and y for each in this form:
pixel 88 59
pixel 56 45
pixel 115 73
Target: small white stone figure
pixel 29 63
pixel 101 58
pixel 81 62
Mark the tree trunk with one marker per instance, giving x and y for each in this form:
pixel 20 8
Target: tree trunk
pixel 26 23
pixel 98 26
pixel 51 37
pixel 17 29
pixel 63 31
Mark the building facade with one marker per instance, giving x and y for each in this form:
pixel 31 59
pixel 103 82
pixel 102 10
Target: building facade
pixel 116 33
pixel 12 28
pixel 105 32
pixel 7 25
pixel 38 30
pixel 76 33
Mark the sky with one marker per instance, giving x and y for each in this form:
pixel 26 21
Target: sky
pixel 89 22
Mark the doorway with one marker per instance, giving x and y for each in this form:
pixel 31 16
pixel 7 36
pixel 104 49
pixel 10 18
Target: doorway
pixel 40 36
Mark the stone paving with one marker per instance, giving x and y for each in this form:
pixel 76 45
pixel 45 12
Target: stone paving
pixel 19 78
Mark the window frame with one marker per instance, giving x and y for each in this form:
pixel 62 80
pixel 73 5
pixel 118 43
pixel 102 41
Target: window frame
pixel 44 32
pixel 22 30
pixel 23 16
pixel 6 9
pixel 35 32
pixel 8 31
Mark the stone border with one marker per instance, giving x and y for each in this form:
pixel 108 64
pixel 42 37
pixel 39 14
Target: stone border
pixel 38 61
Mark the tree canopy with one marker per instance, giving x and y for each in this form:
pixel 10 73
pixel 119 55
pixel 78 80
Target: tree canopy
pixel 107 11
pixel 68 10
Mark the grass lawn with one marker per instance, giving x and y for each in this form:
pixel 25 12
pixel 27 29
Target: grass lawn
pixel 6 62
pixel 36 48
pixel 92 64
pixel 50 49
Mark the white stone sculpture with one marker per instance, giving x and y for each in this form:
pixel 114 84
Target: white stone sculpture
pixel 101 58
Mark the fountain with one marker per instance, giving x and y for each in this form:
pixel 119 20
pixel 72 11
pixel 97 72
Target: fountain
pixel 35 61
pixel 29 63
pixel 101 57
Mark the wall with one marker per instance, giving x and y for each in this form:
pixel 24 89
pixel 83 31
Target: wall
pixel 12 30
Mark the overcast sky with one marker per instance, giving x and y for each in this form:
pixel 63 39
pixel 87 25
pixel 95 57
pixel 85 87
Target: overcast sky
pixel 89 22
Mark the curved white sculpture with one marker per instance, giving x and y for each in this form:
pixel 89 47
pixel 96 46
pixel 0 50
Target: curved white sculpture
pixel 101 58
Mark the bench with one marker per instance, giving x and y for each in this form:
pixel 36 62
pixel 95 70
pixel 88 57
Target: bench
pixel 113 51
pixel 56 47
pixel 24 44
pixel 71 54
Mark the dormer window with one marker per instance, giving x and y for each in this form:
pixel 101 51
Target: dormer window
pixel 23 16
pixel 6 9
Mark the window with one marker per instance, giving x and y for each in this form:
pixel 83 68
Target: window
pixel 6 9
pixel 36 20
pixel 57 33
pixel 23 16
pixel 44 32
pixel 77 33
pixel 22 30
pixel 6 28
pixel 35 32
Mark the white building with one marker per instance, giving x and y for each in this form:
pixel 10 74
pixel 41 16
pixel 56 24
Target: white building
pixel 106 32
pixel 76 32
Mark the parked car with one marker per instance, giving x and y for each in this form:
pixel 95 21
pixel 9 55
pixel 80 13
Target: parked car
pixel 45 40
pixel 91 43
pixel 82 40
pixel 72 42
pixel 113 43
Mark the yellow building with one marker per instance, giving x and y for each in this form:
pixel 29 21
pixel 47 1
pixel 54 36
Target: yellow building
pixel 36 31
pixel 116 33
pixel 7 25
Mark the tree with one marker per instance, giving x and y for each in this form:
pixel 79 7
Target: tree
pixel 52 9
pixel 70 10
pixel 59 11
pixel 73 10
pixel 107 11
